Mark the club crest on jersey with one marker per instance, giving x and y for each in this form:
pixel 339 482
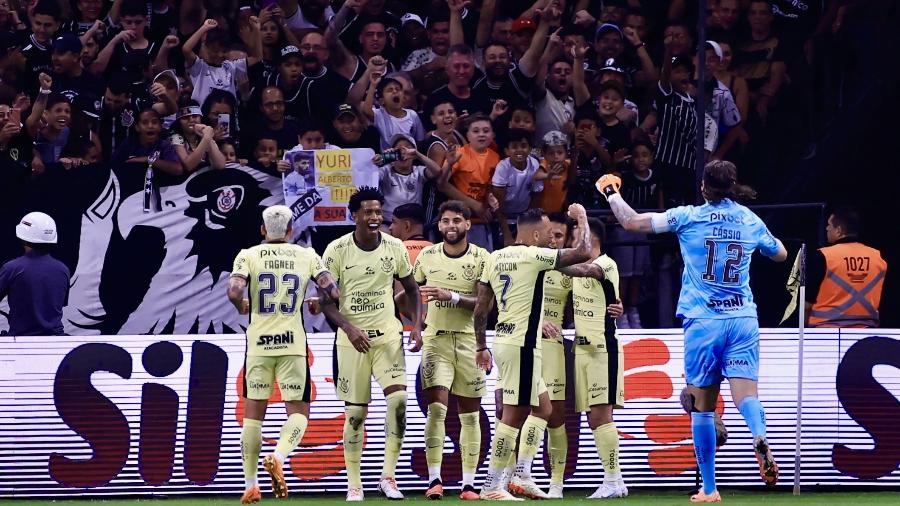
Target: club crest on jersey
pixel 387 265
pixel 226 200
pixel 586 282
pixel 428 370
pixel 344 385
pixel 469 272
pixel 566 282
pixel 127 118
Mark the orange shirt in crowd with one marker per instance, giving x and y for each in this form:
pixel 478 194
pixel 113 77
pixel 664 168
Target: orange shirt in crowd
pixel 556 189
pixel 473 172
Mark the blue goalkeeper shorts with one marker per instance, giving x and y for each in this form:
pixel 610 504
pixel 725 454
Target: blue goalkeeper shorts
pixel 717 348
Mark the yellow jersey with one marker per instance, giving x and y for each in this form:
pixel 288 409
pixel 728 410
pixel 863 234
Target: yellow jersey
pixel 459 274
pixel 593 325
pixel 516 275
pixel 557 287
pixel 366 281
pixel 277 275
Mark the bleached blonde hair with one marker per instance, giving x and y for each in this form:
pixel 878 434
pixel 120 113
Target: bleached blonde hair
pixel 277 219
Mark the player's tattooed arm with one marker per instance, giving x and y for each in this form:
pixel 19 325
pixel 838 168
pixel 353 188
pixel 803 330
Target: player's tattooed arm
pixel 236 286
pixel 484 302
pixel 585 270
pixel 328 289
pixel 630 219
pixel 581 252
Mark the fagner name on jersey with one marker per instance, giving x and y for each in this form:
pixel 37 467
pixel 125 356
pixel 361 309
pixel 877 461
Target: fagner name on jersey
pixel 269 340
pixel 726 304
pixel 279 264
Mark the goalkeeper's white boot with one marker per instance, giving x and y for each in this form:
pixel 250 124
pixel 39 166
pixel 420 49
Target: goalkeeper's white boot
pixel 388 487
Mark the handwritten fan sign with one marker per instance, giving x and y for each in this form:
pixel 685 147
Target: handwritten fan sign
pixel 321 182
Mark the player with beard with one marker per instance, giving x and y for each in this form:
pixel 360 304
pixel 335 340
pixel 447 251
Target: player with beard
pixel 370 337
pixel 449 272
pixel 276 274
pixel 514 277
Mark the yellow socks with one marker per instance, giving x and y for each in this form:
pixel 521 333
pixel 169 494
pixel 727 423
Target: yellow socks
pixel 355 417
pixel 394 429
pixel 435 432
pixel 607 439
pixel 251 444
pixel 530 439
pixel 470 445
pixel 559 450
pixel 501 451
pixel 291 434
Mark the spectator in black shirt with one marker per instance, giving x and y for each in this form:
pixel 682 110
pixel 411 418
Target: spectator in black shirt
pixel 117 114
pixel 350 131
pixel 69 77
pixel 273 124
pixel 460 69
pixel 45 22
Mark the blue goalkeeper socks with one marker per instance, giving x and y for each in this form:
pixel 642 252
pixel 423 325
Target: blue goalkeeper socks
pixel 703 427
pixel 755 416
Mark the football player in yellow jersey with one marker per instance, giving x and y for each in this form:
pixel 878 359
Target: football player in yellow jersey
pixel 514 277
pixel 276 273
pixel 449 272
pixel 599 357
pixel 369 339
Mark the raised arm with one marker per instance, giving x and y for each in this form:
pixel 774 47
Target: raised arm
pixel 188 48
pixel 485 23
pixel 630 219
pixel 367 107
pixel 579 86
pixel 162 57
pixel 339 52
pixel 528 63
pixel 457 36
pixel 540 79
pixel 99 65
pixel 432 169
pixel 33 122
pixel 582 250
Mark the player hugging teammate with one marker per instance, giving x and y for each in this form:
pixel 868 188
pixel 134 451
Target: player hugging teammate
pixel 530 283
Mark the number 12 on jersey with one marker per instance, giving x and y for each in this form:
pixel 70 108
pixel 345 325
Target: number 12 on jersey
pixel 734 252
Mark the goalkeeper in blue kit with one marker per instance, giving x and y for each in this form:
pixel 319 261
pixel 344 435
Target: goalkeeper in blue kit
pixel 721 329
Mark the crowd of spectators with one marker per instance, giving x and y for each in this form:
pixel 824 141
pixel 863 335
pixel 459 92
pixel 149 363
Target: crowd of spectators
pixel 502 104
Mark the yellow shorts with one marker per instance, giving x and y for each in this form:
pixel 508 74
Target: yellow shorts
pixel 448 360
pixel 599 379
pixel 553 368
pixel 290 371
pixel 520 374
pixel 353 370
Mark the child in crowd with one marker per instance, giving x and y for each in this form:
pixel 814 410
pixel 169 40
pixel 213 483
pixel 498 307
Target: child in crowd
pixel 403 180
pixel 193 140
pixel 312 136
pixel 516 179
pixel 391 118
pixel 266 159
pixel 50 138
pixel 213 71
pixel 147 139
pixel 468 179
pixel 641 189
pixel 559 168
pixel 616 134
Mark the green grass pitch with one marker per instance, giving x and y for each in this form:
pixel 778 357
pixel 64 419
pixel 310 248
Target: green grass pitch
pixel 574 497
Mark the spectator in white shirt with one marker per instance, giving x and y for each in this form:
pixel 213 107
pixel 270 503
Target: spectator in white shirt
pixel 391 118
pixel 403 180
pixel 212 71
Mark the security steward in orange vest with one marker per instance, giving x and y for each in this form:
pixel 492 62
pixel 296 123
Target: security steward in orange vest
pixel 844 279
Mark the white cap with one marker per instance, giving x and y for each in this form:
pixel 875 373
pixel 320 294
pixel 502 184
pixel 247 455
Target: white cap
pixel 37 228
pixel 715 47
pixel 409 16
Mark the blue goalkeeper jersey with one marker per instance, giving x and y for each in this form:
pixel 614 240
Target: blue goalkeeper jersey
pixel 717 241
